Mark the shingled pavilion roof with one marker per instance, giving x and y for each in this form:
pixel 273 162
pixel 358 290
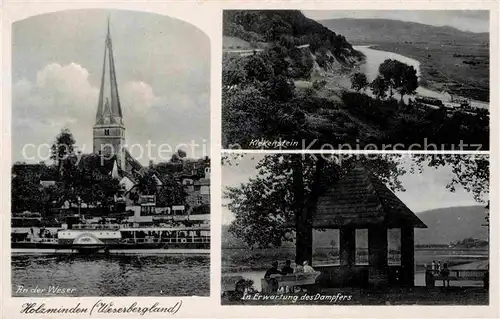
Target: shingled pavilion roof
pixel 360 199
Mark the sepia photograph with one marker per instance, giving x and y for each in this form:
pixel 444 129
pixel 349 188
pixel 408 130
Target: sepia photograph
pixel 361 79
pixel 110 176
pixel 349 229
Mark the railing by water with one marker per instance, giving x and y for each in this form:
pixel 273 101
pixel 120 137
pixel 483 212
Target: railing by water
pixel 166 240
pixel 37 240
pixel 131 227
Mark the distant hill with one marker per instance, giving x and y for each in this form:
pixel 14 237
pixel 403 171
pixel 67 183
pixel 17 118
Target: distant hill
pixel 384 30
pixel 445 225
pixel 451 224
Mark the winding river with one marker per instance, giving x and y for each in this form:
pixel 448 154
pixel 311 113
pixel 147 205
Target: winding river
pixel 376 57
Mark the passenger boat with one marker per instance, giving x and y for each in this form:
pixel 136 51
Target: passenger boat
pixel 118 238
pixel 171 233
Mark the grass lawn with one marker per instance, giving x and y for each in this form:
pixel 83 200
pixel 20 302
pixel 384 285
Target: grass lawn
pixel 235 43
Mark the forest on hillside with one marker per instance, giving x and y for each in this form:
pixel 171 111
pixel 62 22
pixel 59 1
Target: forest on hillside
pixel 287 28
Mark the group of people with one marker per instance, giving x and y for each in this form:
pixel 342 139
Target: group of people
pixel 441 270
pixel 286 270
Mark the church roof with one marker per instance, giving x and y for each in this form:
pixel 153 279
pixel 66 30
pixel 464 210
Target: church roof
pixel 109 110
pixel 106 166
pixel 131 164
pixel 360 199
pixel 103 165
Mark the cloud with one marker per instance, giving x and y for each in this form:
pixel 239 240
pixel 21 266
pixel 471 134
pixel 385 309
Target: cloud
pixel 62 96
pixel 164 81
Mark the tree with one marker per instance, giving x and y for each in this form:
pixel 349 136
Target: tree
pixel 399 76
pixel 147 183
pixel 472 172
pixel 387 71
pixel 258 69
pixel 171 193
pixel 359 81
pixel 409 81
pixel 379 87
pixel 277 205
pixel 178 156
pixel 26 193
pixel 233 71
pixel 278 55
pixel 87 180
pixel 279 88
pixel 62 147
pixel 280 201
pixel 51 198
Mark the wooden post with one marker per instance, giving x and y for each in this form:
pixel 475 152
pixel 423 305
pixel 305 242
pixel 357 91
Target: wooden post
pixel 347 246
pixel 305 208
pixel 377 256
pixel 407 257
pixel 303 229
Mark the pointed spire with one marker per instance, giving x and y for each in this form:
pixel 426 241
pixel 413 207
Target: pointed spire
pixel 109 34
pixel 109 87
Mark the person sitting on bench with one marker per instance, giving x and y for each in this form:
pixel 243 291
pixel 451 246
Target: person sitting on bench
pixel 445 272
pixel 273 271
pixel 287 269
pixel 308 268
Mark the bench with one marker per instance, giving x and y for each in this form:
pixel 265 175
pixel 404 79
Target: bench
pixel 291 280
pixel 431 276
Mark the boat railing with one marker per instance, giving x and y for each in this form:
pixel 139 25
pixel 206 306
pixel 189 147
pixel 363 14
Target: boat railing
pixel 98 226
pixel 38 240
pixel 125 225
pixel 168 240
pixel 48 240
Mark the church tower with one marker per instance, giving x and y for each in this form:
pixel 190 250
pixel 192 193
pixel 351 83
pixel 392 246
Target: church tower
pixel 109 131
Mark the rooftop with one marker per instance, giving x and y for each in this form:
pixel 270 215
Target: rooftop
pixel 361 199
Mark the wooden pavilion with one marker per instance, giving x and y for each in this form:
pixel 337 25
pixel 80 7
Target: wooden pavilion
pixel 360 200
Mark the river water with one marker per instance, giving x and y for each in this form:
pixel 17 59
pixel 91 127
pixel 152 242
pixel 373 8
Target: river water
pixel 376 57
pixel 139 275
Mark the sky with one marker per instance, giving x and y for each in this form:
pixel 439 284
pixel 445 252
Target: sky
pixel 424 191
pixel 465 20
pixel 163 73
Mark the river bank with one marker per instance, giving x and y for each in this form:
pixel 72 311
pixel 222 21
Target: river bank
pixel 442 68
pixel 374 56
pixel 243 260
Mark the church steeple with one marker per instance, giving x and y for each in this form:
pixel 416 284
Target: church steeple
pixel 109 88
pixel 109 131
